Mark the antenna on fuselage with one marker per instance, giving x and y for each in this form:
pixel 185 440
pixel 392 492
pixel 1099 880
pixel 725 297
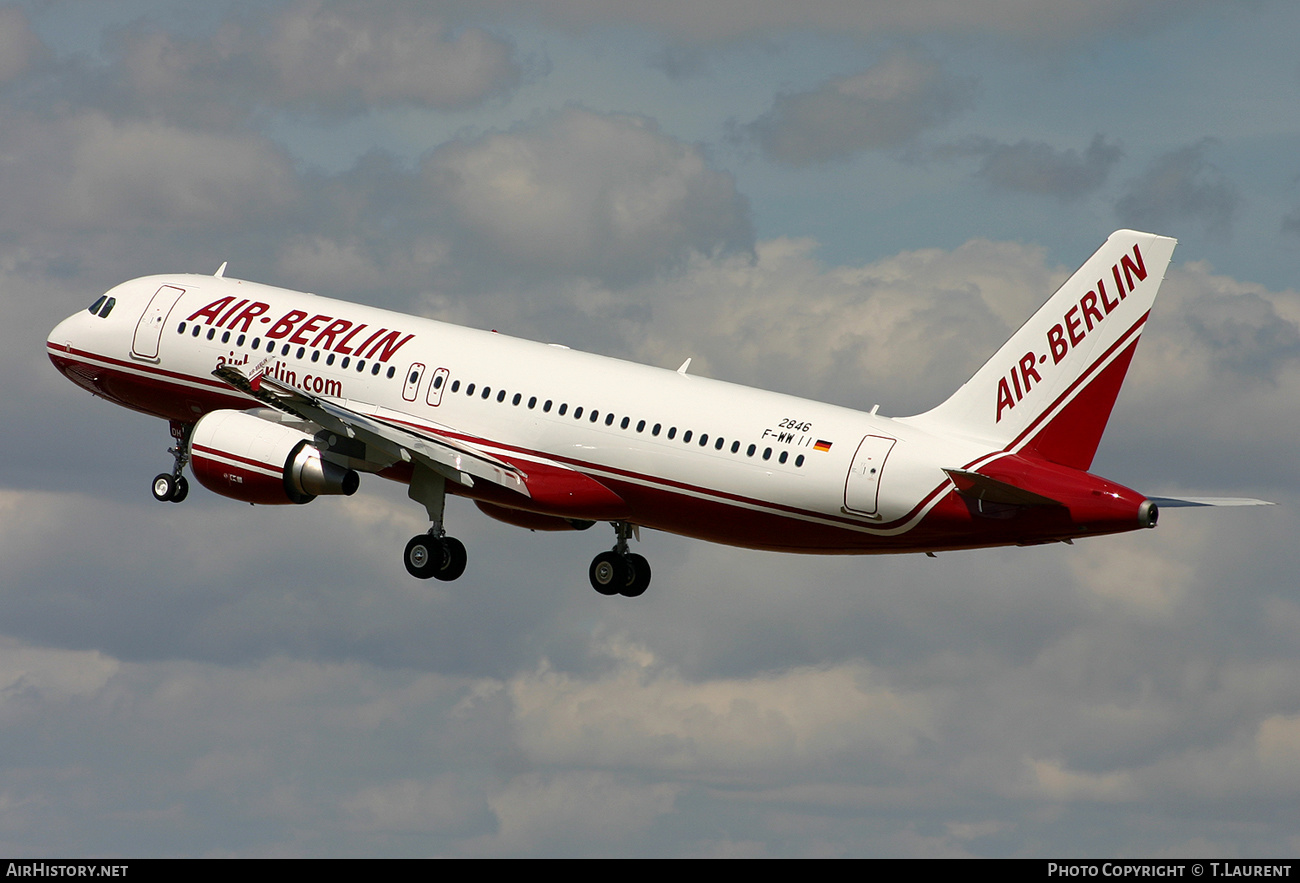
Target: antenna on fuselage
pixel 685 365
pixel 221 271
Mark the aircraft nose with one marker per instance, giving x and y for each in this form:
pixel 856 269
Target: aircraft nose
pixel 61 336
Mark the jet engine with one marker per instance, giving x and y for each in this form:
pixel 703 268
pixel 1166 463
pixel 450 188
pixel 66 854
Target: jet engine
pixel 239 455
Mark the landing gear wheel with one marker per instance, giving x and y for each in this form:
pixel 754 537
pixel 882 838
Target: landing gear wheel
pixel 442 558
pixel 609 573
pixel 421 553
pixel 639 576
pixel 182 489
pixel 453 560
pixel 164 487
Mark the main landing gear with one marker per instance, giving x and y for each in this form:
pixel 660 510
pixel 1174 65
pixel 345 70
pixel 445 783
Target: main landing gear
pixel 433 554
pixel 172 488
pixel 620 572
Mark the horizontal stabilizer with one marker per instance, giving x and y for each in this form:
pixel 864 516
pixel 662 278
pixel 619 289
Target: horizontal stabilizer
pixel 990 490
pixel 1190 502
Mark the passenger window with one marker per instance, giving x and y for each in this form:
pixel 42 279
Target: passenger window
pixel 672 432
pixel 749 452
pixel 329 360
pixel 686 437
pixel 785 455
pixel 577 413
pixel 487 391
pixel 655 431
pixel 455 386
pixel 532 402
pixel 212 332
pixel 469 390
pixel 516 400
pixel 640 426
pixel 622 423
pixel 225 337
pixel 767 453
pixel 564 406
pixel 546 408
pixel 501 397
pixel 735 446
pixel 798 461
pixel 717 446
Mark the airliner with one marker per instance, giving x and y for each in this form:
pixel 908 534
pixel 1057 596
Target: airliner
pixel 278 397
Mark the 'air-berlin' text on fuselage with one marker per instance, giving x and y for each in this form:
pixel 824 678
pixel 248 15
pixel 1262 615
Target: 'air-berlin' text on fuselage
pixel 1078 321
pixel 319 332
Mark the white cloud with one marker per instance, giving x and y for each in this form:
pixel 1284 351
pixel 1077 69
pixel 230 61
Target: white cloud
pixel 727 19
pixel 338 53
pixel 89 171
pixel 318 57
pixel 643 714
pixel 584 193
pixel 885 106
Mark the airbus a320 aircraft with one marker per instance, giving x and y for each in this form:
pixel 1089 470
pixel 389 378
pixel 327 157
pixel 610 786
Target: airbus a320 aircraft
pixel 276 396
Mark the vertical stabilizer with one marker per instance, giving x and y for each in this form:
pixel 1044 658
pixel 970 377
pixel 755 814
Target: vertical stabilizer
pixel 1049 390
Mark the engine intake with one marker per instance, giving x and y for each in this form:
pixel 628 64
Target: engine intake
pixel 241 456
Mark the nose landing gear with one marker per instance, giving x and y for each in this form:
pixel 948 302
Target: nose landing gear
pixel 620 572
pixel 172 488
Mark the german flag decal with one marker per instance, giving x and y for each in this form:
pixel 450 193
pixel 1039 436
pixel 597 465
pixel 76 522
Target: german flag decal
pixel 822 445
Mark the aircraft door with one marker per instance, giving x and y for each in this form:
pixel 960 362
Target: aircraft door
pixel 413 375
pixel 862 487
pixel 149 330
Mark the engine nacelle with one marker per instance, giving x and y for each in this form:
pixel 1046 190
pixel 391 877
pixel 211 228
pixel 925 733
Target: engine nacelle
pixel 239 455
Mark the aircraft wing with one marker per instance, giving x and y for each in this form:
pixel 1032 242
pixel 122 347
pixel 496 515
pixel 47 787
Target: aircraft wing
pixel 453 459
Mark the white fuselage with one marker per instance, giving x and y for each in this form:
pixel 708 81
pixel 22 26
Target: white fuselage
pixel 685 454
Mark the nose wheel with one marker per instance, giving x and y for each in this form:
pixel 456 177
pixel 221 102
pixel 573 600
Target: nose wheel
pixel 174 487
pixel 170 488
pixel 618 571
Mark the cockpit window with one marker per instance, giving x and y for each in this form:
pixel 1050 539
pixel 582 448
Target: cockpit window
pixel 102 307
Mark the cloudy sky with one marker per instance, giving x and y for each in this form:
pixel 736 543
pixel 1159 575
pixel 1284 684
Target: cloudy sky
pixel 853 200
